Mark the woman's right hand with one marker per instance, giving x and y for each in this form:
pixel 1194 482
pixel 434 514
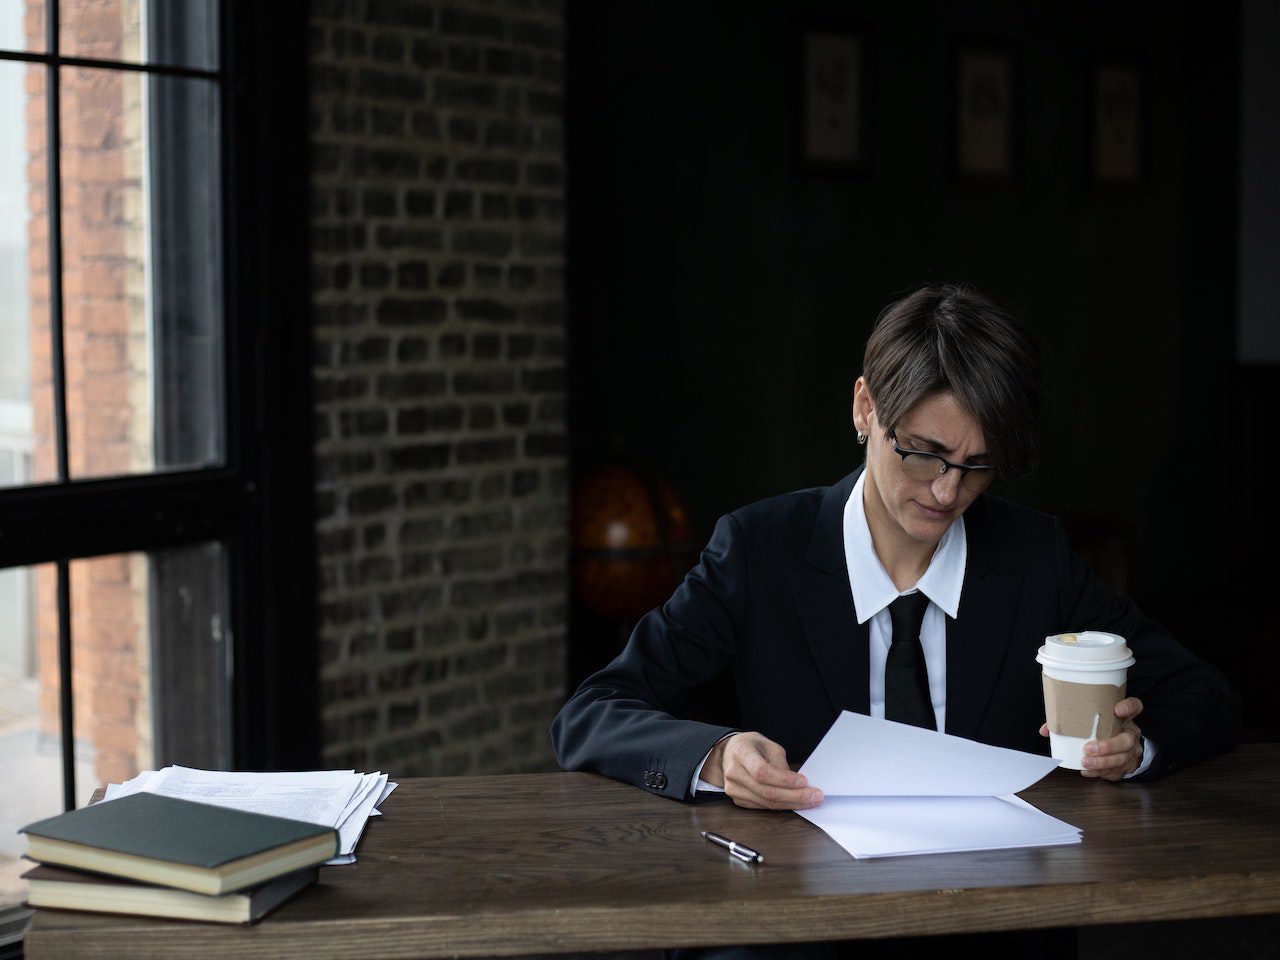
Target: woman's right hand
pixel 754 773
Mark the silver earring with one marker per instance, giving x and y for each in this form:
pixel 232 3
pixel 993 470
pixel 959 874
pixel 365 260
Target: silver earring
pixel 862 437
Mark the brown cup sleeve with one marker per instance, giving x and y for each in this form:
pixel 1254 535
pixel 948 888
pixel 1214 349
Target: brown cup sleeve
pixel 1070 707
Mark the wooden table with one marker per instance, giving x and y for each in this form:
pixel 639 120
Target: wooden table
pixel 479 866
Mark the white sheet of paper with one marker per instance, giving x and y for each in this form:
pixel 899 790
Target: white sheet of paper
pixel 342 799
pixel 387 789
pixel 352 824
pixel 369 782
pixel 866 756
pixel 317 796
pixel 115 791
pixel 894 826
pixel 892 789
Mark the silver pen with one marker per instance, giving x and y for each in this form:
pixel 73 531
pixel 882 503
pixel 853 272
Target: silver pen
pixel 743 853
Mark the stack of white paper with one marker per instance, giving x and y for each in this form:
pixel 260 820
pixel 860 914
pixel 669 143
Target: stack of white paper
pixel 891 789
pixel 342 799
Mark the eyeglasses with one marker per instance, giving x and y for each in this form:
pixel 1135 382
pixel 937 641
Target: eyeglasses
pixel 929 466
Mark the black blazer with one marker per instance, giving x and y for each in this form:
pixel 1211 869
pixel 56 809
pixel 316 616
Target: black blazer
pixel 770 601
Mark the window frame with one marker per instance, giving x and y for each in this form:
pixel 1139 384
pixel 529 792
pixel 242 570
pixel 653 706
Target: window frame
pixel 250 504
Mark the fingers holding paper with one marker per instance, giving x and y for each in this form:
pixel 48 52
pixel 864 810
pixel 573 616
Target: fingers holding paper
pixel 754 772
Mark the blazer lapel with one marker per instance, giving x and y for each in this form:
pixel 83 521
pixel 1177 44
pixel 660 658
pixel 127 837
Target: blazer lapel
pixel 840 645
pixel 820 588
pixel 979 638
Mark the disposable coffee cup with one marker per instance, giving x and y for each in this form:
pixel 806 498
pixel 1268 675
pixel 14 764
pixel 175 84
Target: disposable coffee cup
pixel 1084 678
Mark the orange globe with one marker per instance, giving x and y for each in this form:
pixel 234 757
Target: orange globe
pixel 631 541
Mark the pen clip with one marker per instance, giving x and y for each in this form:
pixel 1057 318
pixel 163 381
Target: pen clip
pixel 740 851
pixel 741 855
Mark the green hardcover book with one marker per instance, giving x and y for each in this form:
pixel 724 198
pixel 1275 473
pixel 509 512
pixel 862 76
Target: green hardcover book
pixel 177 843
pixel 59 889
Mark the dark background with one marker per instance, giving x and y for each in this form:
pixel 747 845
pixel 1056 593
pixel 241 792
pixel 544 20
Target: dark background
pixel 720 296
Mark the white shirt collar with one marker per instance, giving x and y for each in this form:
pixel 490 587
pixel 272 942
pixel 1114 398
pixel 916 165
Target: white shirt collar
pixel 872 588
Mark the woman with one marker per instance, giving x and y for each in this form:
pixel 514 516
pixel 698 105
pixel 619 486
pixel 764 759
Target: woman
pixel 904 591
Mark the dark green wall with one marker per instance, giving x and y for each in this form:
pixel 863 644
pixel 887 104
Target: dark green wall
pixel 720 300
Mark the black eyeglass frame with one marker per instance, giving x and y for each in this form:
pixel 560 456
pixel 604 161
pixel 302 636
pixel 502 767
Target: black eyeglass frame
pixel 964 468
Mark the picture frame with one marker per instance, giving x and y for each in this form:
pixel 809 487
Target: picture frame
pixel 832 97
pixel 986 113
pixel 1116 128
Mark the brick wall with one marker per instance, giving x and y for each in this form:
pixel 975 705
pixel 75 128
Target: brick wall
pixel 441 503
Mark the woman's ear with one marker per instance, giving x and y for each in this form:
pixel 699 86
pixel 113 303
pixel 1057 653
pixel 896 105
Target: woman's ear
pixel 863 406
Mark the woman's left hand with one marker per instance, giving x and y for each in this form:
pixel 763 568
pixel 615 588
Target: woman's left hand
pixel 1116 758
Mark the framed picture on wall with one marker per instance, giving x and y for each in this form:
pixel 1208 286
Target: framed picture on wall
pixel 1117 125
pixel 833 106
pixel 986 115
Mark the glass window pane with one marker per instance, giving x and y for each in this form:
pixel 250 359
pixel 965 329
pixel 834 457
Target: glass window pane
pixel 22 25
pixel 110 667
pixel 142 281
pixel 180 33
pixel 26 373
pixel 30 736
pixel 150 668
pixel 149 662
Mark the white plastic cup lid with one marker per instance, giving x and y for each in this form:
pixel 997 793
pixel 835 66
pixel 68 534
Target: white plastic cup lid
pixel 1090 650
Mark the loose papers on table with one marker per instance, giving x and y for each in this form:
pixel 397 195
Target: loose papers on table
pixel 342 799
pixel 893 789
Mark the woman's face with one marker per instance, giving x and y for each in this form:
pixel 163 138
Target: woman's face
pixel 920 510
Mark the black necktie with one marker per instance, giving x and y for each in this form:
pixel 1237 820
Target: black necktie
pixel 906 679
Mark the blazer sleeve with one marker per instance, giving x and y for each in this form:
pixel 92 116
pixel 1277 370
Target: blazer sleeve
pixel 619 723
pixel 1190 710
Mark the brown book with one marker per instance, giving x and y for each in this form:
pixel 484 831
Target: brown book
pixel 177 843
pixel 58 889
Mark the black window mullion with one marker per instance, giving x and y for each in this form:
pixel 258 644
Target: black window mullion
pixel 124 66
pixel 93 517
pixel 66 703
pixel 269 385
pixel 53 176
pixel 53 186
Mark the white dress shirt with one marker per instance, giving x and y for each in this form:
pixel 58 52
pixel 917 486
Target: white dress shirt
pixel 873 590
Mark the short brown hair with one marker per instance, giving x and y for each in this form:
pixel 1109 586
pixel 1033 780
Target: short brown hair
pixel 951 338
